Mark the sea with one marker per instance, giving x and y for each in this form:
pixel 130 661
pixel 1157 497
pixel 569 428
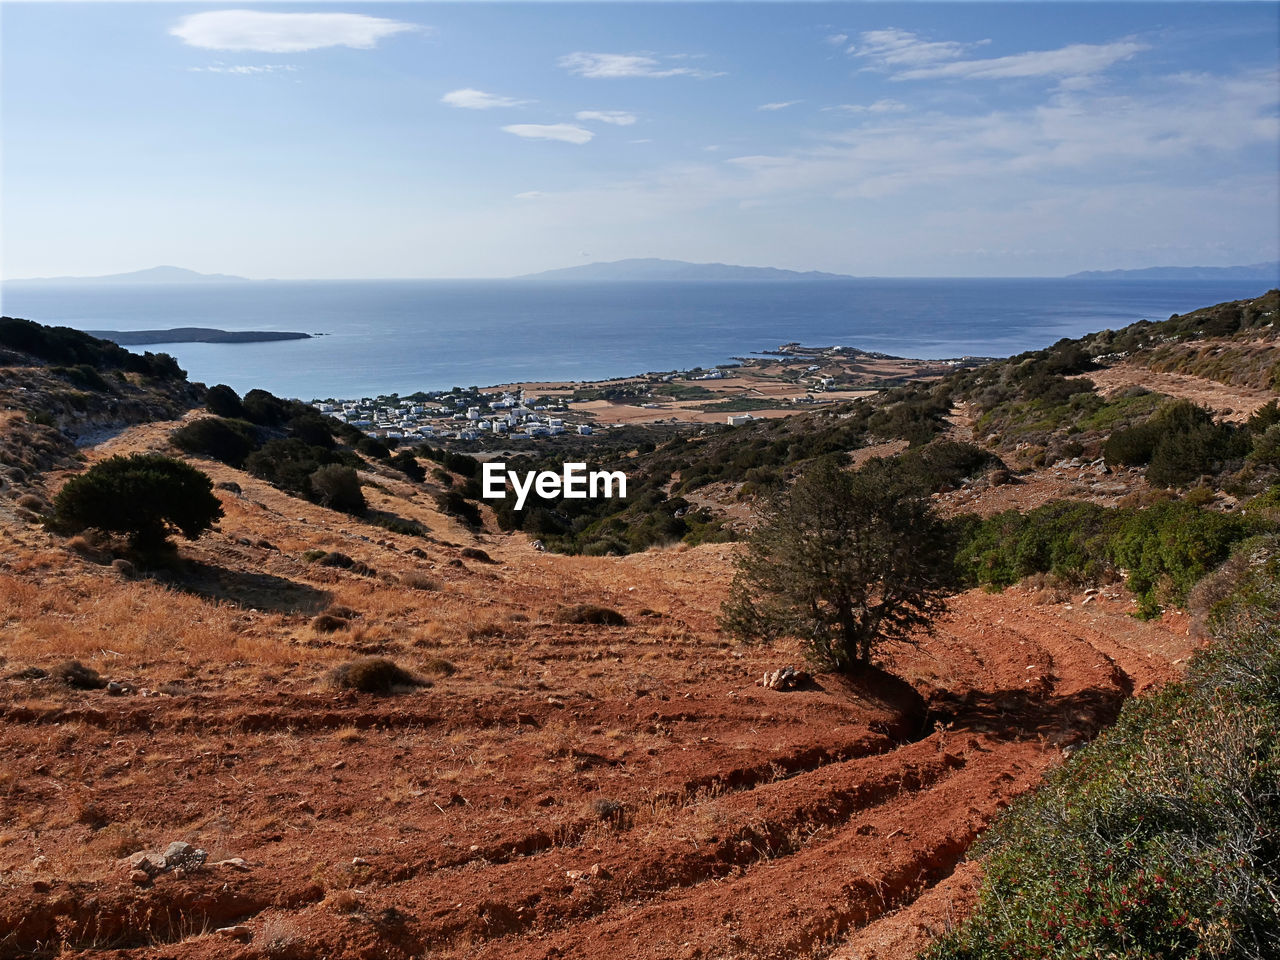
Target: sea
pixel 375 337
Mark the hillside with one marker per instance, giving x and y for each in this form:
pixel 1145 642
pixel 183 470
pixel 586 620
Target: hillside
pixel 1262 272
pixel 650 269
pixel 164 274
pixel 556 786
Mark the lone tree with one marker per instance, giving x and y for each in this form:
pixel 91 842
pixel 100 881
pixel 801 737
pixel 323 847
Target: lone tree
pixel 144 496
pixel 844 561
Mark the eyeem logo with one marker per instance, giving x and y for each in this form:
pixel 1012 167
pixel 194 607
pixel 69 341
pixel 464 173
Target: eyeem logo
pixel 573 483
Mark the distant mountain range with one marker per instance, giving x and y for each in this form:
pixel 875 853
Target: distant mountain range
pixel 152 275
pixel 654 269
pixel 1269 272
pixel 639 270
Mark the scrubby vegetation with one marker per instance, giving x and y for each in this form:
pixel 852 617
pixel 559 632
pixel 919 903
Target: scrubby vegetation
pixel 287 444
pixel 845 561
pixel 142 496
pixel 592 614
pixel 1161 838
pixel 82 352
pixel 374 675
pixel 1164 548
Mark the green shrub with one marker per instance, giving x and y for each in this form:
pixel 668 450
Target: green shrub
pixel 1167 547
pixel 222 401
pixel 228 441
pixel 592 614
pixel 143 496
pixel 264 409
pixel 455 504
pixel 337 487
pixel 374 675
pixel 83 376
pixel 408 464
pixel 1160 838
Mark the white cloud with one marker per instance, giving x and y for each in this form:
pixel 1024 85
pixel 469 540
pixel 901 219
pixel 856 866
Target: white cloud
pixel 564 132
pixel 1141 145
pixel 909 56
pixel 895 48
pixel 1075 60
pixel 619 118
pixel 469 99
pixel 837 39
pixel 615 65
pixel 880 106
pixel 284 32
pixel 781 105
pixel 246 69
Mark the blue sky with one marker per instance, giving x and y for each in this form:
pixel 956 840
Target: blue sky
pixel 487 139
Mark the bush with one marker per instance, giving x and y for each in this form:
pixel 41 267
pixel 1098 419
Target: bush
pixel 374 675
pixel 75 674
pixel 329 623
pixel 337 487
pixel 265 409
pixel 227 441
pixel 408 464
pixel 592 614
pixel 455 504
pixel 83 376
pixel 143 496
pixel 222 401
pixel 1159 839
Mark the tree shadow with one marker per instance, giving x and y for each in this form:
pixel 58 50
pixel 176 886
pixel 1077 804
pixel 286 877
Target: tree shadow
pixel 1028 714
pixel 250 590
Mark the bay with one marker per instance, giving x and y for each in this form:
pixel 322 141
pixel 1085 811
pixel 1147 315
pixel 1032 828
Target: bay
pixel 399 336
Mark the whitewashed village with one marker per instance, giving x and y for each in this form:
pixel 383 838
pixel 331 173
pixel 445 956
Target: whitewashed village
pixel 453 415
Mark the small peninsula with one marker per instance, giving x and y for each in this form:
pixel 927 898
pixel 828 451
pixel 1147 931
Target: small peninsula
pixel 129 338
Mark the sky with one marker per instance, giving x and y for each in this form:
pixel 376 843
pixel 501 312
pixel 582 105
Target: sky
pixel 344 140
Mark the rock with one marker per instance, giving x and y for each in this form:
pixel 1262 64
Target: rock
pixel 228 485
pixel 341 764
pixel 116 689
pixel 359 862
pixel 123 567
pixel 147 862
pixel 599 872
pixel 140 877
pixel 182 854
pixel 787 678
pixel 239 932
pixel 234 863
pixel 41 886
pixel 575 875
pixel 538 545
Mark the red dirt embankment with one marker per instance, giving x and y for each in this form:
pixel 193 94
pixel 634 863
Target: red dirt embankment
pixel 567 791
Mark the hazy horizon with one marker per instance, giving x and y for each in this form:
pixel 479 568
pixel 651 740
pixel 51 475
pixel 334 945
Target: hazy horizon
pixel 219 276
pixel 490 141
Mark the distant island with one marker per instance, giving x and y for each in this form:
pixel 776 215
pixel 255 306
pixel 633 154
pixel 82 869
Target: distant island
pixel 653 269
pixel 1269 272
pixel 163 274
pixel 132 338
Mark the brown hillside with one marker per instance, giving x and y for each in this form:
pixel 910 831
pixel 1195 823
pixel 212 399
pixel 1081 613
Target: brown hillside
pixel 557 789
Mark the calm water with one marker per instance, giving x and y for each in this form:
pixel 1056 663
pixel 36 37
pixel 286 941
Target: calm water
pixel 402 336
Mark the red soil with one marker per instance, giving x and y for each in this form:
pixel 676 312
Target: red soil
pixel 571 791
